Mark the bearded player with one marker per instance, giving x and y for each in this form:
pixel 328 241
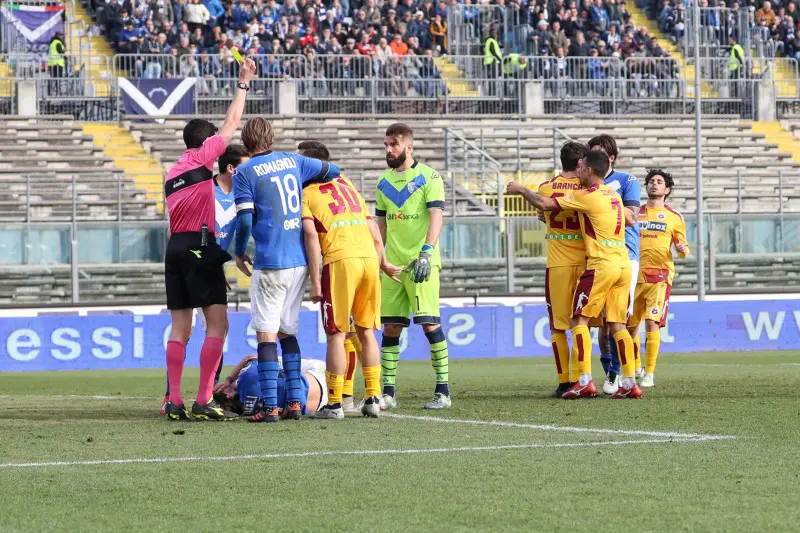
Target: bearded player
pixel 606 281
pixel 566 261
pixel 660 228
pixel 408 205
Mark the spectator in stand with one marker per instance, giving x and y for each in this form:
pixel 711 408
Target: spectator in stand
pixel 612 36
pixel 152 45
pixel 664 16
pixel 215 11
pixel 599 16
pixel 766 13
pixel 580 48
pixel 195 15
pixel 439 35
pixel 130 39
pixel 399 48
pixel 615 13
pixel 793 12
pixel 556 37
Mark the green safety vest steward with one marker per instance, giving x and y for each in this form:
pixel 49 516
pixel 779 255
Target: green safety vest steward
pixel 512 62
pixel 55 56
pixel 491 51
pixel 736 59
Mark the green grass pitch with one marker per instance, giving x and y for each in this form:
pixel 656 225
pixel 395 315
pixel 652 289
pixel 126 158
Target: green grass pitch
pixel 660 464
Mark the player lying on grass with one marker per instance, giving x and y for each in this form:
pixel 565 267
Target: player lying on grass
pixel 660 228
pixel 241 393
pixel 337 227
pixel 605 282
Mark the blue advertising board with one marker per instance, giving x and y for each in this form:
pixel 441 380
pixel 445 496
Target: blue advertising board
pixel 131 341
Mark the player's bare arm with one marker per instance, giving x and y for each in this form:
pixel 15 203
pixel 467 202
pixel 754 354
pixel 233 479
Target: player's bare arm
pixel 234 115
pixel 532 197
pixel 435 224
pixel 631 216
pixel 386 267
pixel 241 263
pixel 231 379
pixel 313 254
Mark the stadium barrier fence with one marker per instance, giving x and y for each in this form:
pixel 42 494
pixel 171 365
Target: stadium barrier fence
pixel 483 253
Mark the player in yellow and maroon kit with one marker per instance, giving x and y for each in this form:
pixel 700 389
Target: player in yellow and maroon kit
pixel 660 228
pixel 566 261
pixel 606 281
pixel 337 226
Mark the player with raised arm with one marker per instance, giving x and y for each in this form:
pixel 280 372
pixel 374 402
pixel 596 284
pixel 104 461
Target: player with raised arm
pixel 606 280
pixel 408 206
pixel 268 191
pixel 566 261
pixel 628 187
pixel 337 226
pixel 225 223
pixel 660 228
pixel 193 271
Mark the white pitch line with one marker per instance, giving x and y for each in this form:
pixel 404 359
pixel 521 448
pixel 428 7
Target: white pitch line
pixel 572 429
pixel 354 452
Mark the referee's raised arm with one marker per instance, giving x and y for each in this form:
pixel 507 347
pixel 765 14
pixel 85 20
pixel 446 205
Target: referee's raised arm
pixel 193 266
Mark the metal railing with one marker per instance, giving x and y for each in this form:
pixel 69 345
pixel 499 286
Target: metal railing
pixel 474 169
pixel 468 26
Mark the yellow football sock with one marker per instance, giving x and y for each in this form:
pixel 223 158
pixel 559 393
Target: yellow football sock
pixel 350 352
pixel 372 379
pixel 574 367
pixel 625 349
pixel 583 341
pixel 335 384
pixel 651 347
pixel 637 351
pixel 561 353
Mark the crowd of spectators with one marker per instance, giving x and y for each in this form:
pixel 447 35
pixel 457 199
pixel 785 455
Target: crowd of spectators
pixel 330 42
pixel 772 26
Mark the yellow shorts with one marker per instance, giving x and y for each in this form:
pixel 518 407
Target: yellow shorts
pixel 651 303
pixel 350 286
pixel 559 290
pixel 607 288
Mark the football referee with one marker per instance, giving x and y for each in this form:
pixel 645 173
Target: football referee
pixel 193 265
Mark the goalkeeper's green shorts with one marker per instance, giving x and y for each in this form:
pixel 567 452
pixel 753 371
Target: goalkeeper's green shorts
pixel 400 300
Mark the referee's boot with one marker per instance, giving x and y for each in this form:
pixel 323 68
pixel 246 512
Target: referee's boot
pixel 176 412
pixel 211 411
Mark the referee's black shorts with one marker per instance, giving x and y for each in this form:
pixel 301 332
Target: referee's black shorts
pixel 194 274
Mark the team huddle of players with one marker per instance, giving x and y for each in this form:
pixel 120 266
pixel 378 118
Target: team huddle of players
pixel 609 264
pixel 308 220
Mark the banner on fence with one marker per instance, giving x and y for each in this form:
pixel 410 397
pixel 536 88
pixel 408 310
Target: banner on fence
pixel 157 97
pixel 37 25
pixel 138 341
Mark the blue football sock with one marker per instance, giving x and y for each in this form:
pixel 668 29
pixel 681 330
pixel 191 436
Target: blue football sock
pixel 219 370
pixel 614 365
pixel 268 368
pixel 290 351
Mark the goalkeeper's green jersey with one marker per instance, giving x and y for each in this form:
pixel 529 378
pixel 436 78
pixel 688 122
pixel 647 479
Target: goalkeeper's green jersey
pixel 404 199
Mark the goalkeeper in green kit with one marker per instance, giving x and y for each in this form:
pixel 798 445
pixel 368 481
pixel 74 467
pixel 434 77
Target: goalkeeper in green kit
pixel 409 204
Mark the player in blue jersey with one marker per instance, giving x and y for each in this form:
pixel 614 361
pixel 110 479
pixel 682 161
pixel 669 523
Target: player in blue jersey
pixel 225 219
pixel 268 191
pixel 628 187
pixel 240 392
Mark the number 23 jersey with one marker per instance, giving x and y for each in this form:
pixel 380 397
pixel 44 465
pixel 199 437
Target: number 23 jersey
pixel 602 224
pixel 340 216
pixel 565 246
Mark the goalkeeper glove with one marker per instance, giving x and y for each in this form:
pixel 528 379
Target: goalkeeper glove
pixel 421 266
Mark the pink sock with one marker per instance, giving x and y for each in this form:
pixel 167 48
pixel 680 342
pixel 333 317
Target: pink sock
pixel 176 352
pixel 210 354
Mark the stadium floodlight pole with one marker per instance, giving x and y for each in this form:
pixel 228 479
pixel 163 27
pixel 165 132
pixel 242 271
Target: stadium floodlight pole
pixel 698 120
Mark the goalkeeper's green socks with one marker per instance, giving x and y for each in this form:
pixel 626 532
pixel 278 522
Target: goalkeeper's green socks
pixel 439 360
pixel 390 355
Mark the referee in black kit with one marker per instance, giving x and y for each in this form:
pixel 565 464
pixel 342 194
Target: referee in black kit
pixel 193 266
